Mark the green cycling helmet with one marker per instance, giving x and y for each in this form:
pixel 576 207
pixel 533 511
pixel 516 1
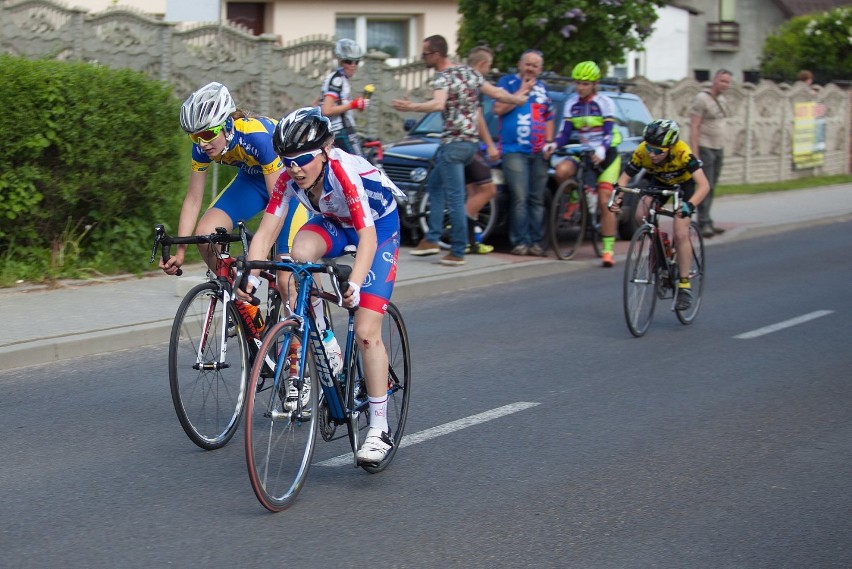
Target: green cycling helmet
pixel 661 132
pixel 586 71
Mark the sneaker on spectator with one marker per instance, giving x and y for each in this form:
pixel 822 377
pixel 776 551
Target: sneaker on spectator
pixel 536 251
pixel 425 248
pixel 520 250
pixel 607 259
pixel 376 447
pixel 452 260
pixel 479 249
pixel 707 232
pixel 717 230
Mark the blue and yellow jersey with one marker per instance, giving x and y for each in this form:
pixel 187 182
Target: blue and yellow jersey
pixel 677 168
pixel 250 148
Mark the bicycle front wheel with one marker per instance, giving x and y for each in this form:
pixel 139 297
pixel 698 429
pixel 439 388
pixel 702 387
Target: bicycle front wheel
pixel 640 282
pixel 696 275
pixel 568 220
pixel 208 366
pixel 395 340
pixel 280 433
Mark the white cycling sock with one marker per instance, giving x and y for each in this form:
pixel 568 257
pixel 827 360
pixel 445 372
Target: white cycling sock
pixel 379 413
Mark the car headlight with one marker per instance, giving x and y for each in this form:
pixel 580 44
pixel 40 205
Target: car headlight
pixel 417 175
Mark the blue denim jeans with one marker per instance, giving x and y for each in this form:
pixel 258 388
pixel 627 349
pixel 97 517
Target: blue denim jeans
pixel 526 176
pixel 447 190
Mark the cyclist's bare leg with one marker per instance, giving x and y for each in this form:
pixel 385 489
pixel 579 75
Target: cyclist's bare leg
pixel 608 218
pixel 368 334
pixel 565 170
pixel 212 218
pixel 477 196
pixel 683 245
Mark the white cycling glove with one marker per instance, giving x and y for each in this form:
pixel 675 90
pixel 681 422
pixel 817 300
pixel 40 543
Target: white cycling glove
pixel 600 152
pixel 356 294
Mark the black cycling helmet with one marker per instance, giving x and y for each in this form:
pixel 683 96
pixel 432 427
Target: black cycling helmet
pixel 661 132
pixel 301 131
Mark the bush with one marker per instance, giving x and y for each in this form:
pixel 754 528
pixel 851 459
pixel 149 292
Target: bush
pixel 818 42
pixel 92 159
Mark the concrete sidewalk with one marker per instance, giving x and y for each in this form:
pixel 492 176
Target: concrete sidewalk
pixel 82 318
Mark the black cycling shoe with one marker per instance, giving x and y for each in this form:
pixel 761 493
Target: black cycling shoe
pixel 684 299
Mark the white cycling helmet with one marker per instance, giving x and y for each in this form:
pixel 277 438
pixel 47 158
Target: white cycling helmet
pixel 208 107
pixel 348 49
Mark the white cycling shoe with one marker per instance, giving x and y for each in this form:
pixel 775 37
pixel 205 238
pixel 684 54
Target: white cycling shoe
pixel 376 447
pixel 293 394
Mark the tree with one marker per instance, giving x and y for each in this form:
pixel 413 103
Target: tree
pixel 565 31
pixel 818 42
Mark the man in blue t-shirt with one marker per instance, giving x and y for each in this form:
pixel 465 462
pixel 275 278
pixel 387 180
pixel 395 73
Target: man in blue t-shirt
pixel 524 131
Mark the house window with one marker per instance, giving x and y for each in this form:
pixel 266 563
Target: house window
pixel 387 34
pixel 727 11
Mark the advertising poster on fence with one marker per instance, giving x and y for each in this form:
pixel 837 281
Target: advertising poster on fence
pixel 808 135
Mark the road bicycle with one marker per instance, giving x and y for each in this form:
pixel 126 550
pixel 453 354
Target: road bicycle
pixel 651 269
pixel 214 341
pixel 280 439
pixel 574 212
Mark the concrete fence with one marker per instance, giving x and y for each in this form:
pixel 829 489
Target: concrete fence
pixel 272 79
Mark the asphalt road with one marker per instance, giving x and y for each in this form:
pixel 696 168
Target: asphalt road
pixel 725 444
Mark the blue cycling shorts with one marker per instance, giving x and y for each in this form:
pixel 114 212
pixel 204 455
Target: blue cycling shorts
pixel 378 286
pixel 246 196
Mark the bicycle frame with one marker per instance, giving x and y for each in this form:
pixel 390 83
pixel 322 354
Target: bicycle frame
pixel 302 315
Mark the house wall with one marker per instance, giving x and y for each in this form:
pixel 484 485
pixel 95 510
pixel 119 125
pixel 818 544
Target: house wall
pixel 757 20
pixel 295 19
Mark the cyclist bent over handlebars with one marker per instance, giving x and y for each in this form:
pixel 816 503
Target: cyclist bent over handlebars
pixel 354 203
pixel 670 161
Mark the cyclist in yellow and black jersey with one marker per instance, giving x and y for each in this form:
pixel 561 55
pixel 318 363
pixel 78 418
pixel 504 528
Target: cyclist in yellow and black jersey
pixel 670 161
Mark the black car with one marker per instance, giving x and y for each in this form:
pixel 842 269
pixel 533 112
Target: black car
pixel 405 160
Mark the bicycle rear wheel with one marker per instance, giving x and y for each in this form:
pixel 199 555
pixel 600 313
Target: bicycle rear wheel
pixel 208 366
pixel 696 275
pixel 395 339
pixel 640 282
pixel 485 220
pixel 568 220
pixel 279 440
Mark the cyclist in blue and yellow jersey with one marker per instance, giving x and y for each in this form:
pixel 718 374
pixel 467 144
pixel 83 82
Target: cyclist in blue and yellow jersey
pixel 592 117
pixel 227 135
pixel 669 161
pixel 354 205
pixel 336 97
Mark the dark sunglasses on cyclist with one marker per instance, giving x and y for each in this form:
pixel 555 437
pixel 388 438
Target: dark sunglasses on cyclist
pixel 300 160
pixel 350 61
pixel 206 135
pixel 656 150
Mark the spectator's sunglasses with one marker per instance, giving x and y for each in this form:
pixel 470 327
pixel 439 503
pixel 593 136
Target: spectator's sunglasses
pixel 206 135
pixel 300 160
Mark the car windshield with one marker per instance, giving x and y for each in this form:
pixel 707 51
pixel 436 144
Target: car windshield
pixel 431 124
pixel 632 114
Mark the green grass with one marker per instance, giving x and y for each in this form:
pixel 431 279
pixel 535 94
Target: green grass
pixel 797 184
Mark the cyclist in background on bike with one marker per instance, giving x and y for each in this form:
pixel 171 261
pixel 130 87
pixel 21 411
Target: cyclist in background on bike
pixel 225 134
pixel 592 117
pixel 670 161
pixel 355 205
pixel 336 100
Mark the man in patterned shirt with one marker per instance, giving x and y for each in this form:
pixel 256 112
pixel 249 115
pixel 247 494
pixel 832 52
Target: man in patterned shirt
pixel 455 92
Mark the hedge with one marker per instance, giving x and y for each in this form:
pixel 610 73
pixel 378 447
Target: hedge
pixel 91 158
